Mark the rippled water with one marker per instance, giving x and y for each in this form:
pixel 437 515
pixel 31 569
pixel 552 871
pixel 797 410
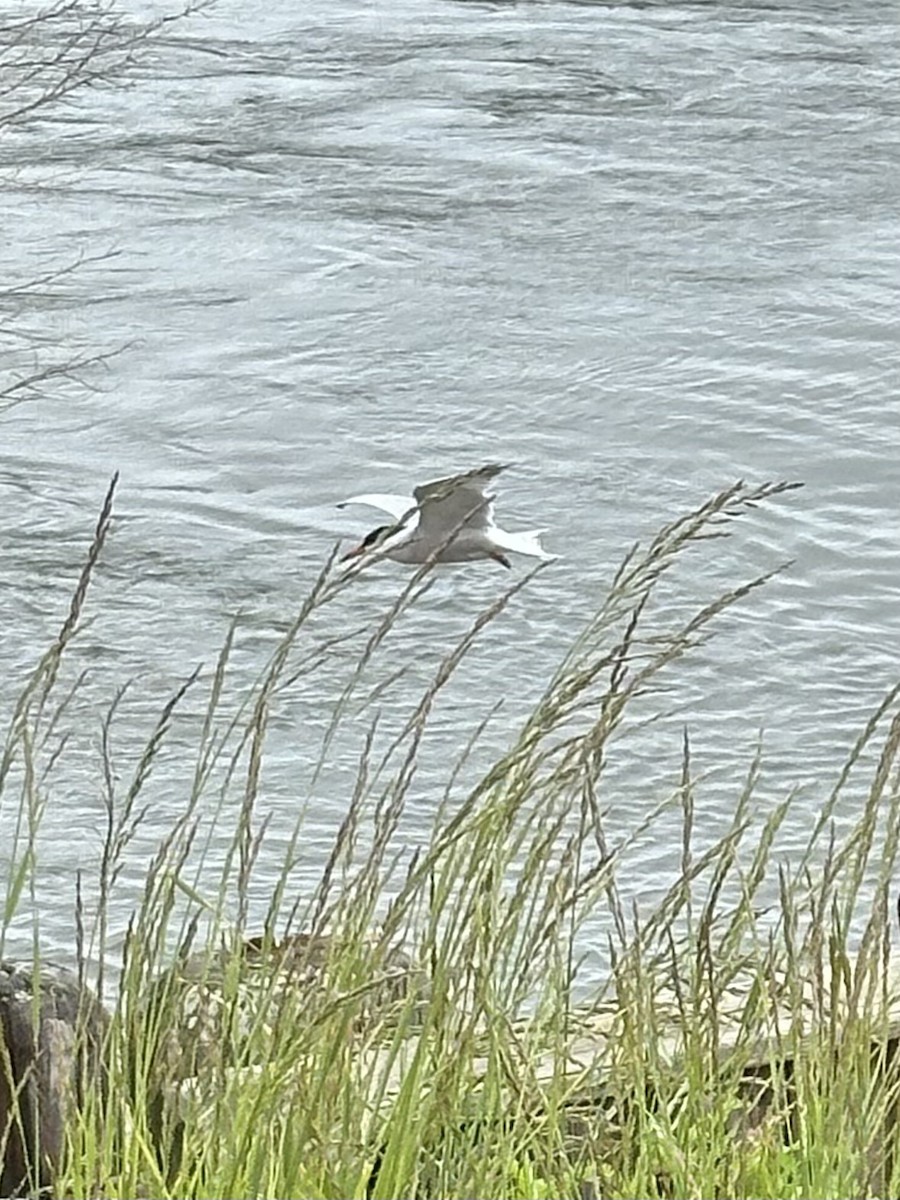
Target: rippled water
pixel 638 251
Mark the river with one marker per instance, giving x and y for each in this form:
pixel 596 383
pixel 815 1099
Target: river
pixel 637 251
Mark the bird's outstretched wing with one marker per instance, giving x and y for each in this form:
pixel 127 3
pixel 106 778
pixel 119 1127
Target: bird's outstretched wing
pixel 397 506
pixel 456 502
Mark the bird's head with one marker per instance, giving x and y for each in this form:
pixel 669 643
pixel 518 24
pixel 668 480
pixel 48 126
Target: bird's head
pixel 370 542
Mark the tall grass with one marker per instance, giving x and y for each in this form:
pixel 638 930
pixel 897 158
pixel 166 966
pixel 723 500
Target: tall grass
pixel 407 1027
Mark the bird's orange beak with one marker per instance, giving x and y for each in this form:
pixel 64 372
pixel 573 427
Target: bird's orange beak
pixel 354 553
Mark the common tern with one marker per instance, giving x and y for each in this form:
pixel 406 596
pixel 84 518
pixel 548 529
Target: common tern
pixel 452 519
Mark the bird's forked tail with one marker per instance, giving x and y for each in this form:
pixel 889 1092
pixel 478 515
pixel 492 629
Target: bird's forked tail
pixel 527 542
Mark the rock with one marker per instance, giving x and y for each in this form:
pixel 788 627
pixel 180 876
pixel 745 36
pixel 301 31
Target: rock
pixel 45 1065
pixel 220 1010
pixel 205 1006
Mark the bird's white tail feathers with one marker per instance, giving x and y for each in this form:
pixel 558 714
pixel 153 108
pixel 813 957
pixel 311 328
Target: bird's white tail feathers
pixel 528 542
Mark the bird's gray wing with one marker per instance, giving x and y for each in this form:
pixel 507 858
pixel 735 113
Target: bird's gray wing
pixel 456 502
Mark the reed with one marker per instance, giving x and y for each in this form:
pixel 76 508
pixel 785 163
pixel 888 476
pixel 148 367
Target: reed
pixel 407 1027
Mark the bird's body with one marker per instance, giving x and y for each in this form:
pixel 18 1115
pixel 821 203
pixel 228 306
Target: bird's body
pixel 451 520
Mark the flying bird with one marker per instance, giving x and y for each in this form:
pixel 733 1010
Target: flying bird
pixel 451 519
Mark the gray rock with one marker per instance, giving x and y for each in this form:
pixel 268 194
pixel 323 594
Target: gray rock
pixel 50 1050
pixel 222 1009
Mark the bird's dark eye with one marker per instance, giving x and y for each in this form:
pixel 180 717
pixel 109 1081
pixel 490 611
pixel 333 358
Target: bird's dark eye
pixel 374 537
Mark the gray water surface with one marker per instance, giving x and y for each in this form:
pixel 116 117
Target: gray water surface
pixel 638 251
